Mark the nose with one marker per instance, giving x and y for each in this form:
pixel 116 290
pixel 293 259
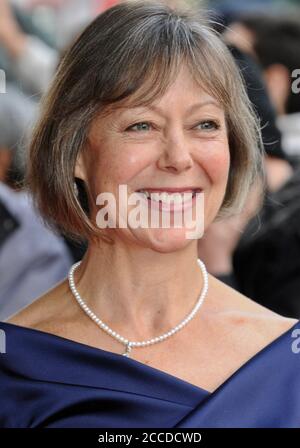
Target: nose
pixel 175 156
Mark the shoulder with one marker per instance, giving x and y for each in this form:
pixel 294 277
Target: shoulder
pixel 45 310
pixel 231 315
pixel 240 314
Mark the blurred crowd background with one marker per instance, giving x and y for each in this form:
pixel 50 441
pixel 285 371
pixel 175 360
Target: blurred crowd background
pixel 256 252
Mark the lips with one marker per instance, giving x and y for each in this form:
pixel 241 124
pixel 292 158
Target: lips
pixel 167 195
pixel 170 199
pixel 171 190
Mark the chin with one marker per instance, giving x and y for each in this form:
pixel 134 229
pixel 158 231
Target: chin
pixel 163 240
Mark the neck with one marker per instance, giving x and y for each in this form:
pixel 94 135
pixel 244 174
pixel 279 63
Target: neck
pixel 139 292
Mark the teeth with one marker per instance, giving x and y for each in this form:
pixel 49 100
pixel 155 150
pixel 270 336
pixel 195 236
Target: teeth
pixel 159 196
pixel 163 196
pixel 145 193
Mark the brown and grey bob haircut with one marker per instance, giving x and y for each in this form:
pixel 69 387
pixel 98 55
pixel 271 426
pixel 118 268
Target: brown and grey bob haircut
pixel 129 55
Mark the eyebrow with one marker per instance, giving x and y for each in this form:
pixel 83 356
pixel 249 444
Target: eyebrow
pixel 190 109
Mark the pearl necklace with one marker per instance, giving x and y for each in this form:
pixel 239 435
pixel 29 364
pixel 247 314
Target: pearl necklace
pixel 126 342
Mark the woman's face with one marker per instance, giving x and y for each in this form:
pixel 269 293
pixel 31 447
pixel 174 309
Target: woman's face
pixel 179 142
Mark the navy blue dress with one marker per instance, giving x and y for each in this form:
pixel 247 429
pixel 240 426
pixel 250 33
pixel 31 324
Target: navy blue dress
pixel 50 381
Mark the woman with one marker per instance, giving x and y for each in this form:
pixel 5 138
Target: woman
pixel 149 98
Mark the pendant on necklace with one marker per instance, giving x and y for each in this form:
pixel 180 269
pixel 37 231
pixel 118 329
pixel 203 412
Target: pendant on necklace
pixel 128 350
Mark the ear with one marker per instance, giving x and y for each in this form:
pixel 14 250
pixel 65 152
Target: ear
pixel 80 169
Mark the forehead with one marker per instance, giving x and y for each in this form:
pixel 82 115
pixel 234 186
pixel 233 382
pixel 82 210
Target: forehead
pixel 184 91
pixel 183 100
pixel 182 85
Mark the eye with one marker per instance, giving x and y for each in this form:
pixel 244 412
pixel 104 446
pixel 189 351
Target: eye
pixel 141 126
pixel 209 125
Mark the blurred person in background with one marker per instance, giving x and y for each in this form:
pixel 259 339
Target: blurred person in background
pixel 17 116
pixel 32 257
pixel 30 62
pixel 30 59
pixel 63 18
pixel 274 41
pixel 266 260
pixel 31 250
pixel 222 237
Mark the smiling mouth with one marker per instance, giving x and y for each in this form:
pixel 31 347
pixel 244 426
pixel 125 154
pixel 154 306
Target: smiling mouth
pixel 166 196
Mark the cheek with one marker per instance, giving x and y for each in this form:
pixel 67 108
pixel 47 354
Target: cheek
pixel 117 163
pixel 129 165
pixel 216 164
